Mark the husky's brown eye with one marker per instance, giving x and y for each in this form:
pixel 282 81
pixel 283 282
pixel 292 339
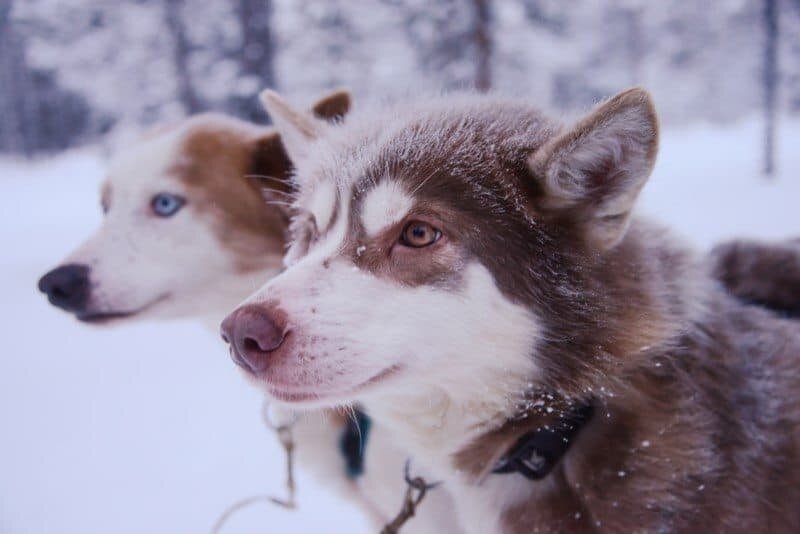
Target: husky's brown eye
pixel 419 234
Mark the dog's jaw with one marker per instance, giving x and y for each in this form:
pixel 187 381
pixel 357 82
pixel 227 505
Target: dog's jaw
pixel 105 317
pixel 313 396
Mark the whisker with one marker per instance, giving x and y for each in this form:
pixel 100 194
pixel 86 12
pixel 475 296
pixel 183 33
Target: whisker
pixel 424 181
pixel 279 203
pixel 266 177
pixel 285 194
pixel 351 412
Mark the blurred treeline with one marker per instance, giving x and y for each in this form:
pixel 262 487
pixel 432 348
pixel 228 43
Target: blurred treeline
pixel 72 70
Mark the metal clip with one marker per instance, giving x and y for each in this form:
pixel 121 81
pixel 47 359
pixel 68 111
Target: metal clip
pixel 284 433
pixel 416 491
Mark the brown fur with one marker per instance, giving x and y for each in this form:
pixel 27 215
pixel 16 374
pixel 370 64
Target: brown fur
pixel 218 151
pixel 712 392
pixel 697 438
pixel 334 106
pixel 475 165
pixel 696 395
pixel 766 274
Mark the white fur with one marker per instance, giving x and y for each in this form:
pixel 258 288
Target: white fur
pixel 300 127
pixel 475 326
pixel 158 267
pixel 357 325
pixel 479 505
pixel 384 205
pixel 323 204
pixel 176 267
pixel 435 403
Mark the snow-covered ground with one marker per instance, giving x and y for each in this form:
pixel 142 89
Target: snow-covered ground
pixel 150 428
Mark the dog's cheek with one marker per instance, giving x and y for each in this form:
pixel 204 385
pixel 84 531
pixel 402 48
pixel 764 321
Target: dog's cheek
pixel 437 266
pixel 136 260
pixel 344 315
pixel 107 261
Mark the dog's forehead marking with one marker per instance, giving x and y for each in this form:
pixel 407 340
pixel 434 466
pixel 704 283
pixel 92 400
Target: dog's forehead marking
pixel 322 203
pixel 385 204
pixel 333 240
pixel 147 164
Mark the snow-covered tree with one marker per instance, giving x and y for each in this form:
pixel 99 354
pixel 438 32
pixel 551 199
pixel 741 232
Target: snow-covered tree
pixel 136 62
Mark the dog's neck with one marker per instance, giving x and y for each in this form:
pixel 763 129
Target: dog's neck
pixel 437 421
pixel 461 430
pixel 439 426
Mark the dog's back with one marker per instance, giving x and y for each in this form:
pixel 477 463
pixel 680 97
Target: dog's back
pixel 704 436
pixel 696 433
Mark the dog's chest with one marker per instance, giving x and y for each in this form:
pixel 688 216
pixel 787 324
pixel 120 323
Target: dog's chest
pixel 482 508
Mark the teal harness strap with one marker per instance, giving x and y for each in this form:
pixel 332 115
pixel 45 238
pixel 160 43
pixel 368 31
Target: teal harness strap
pixel 353 443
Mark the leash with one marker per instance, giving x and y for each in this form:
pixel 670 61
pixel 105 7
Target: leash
pixel 352 445
pixel 534 455
pixel 415 492
pixel 283 430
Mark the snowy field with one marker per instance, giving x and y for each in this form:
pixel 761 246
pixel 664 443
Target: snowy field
pixel 149 427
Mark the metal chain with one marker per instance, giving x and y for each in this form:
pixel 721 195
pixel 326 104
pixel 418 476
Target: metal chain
pixel 284 433
pixel 415 492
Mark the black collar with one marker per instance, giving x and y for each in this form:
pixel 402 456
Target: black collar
pixel 353 443
pixel 536 453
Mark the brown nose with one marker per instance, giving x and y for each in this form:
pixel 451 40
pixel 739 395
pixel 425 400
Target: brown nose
pixel 253 333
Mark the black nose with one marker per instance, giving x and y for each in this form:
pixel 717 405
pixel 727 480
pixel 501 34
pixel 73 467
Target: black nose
pixel 67 286
pixel 253 333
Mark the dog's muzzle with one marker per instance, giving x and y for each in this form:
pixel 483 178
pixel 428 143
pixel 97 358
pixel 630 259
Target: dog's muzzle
pixel 253 333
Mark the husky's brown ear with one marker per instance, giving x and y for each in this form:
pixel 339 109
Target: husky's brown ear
pixel 334 106
pixel 271 169
pixel 298 129
pixel 594 171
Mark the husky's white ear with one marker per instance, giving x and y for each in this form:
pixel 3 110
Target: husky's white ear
pixel 298 129
pixel 594 171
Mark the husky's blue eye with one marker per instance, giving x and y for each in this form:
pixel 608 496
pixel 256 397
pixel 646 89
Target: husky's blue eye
pixel 166 204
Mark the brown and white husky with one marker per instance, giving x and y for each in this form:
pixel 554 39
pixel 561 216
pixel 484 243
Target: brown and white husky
pixel 470 271
pixel 187 233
